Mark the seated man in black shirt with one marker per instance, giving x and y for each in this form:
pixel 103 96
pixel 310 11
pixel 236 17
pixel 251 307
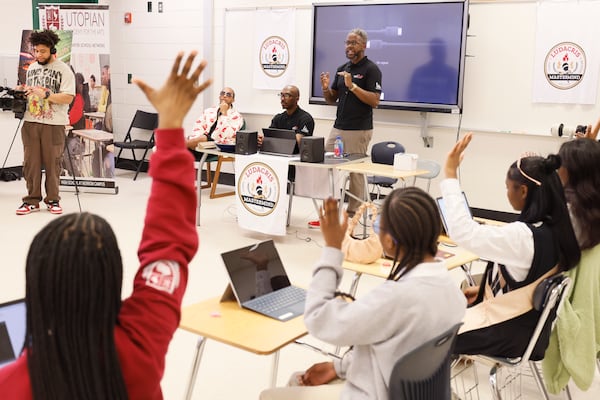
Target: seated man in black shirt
pixel 293 118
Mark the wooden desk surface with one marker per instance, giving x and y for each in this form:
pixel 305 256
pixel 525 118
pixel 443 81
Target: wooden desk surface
pixel 227 322
pixel 94 134
pixel 371 168
pixel 381 267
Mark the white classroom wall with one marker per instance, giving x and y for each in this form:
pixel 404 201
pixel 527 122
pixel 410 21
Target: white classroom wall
pixel 147 47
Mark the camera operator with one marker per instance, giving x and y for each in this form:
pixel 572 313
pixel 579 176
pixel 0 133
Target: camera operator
pixel 50 88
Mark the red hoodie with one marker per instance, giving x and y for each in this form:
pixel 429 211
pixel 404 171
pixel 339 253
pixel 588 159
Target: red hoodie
pixel 147 319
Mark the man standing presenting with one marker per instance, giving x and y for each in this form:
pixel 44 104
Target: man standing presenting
pixel 356 87
pixel 293 118
pixel 50 88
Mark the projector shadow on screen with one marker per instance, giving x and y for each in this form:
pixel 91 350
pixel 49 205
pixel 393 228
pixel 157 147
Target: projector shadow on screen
pixel 419 47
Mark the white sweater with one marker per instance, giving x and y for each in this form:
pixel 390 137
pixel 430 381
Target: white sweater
pixel 383 325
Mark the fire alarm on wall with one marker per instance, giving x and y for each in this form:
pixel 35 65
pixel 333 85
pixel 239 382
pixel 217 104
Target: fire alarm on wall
pixel 127 18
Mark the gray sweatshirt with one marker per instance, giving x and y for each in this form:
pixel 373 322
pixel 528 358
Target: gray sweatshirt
pixel 382 325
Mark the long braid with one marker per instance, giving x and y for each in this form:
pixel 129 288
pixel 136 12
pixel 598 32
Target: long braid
pixel 74 276
pixel 411 217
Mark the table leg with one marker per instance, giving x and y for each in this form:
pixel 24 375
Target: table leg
pixel 274 368
pixel 199 185
pixel 100 160
pixel 195 366
pixel 467 270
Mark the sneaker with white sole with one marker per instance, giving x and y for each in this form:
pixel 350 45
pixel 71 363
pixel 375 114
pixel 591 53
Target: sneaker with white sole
pixel 314 224
pixel 27 209
pixel 54 207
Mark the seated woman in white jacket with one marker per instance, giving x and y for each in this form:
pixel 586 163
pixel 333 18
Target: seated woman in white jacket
pixel 418 301
pixel 518 253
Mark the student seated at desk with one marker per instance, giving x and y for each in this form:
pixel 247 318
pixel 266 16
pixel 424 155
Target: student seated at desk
pixel 82 341
pixel 519 252
pixel 416 303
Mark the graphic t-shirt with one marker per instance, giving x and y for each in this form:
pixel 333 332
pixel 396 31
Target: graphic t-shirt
pixel 56 77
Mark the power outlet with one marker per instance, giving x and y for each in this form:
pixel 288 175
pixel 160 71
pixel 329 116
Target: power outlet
pixel 160 6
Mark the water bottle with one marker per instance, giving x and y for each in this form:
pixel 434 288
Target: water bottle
pixel 338 147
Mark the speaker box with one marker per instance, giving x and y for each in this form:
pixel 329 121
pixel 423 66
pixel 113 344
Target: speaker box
pixel 312 149
pixel 246 142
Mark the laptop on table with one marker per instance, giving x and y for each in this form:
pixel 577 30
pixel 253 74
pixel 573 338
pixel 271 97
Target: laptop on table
pixel 259 282
pixel 279 142
pixel 12 330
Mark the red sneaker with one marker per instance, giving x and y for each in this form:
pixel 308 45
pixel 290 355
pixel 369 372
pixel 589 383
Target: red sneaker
pixel 314 224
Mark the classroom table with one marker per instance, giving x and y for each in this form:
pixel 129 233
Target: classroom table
pixel 375 169
pixel 100 137
pixel 453 255
pixel 227 322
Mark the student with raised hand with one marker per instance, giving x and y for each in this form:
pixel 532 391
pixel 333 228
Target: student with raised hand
pixel 519 253
pixel 417 302
pixel 82 341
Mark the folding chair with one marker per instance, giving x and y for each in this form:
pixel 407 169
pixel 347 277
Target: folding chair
pixel 141 121
pixel 424 373
pixel 548 297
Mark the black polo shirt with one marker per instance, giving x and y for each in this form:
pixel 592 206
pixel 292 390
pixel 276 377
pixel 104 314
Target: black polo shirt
pixel 300 121
pixel 352 114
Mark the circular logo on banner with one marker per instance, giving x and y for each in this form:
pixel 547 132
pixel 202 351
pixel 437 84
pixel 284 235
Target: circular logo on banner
pixel 565 65
pixel 274 56
pixel 258 189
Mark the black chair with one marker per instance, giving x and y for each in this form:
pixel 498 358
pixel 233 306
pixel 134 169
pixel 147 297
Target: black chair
pixel 424 373
pixel 141 121
pixel 383 153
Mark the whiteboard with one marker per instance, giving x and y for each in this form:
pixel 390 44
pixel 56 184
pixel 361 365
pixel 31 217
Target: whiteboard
pixel 9 64
pixel 498 74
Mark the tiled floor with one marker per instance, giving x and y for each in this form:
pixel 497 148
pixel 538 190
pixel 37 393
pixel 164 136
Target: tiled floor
pixel 225 372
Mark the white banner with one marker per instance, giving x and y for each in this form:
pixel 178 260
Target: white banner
pixel 261 193
pixel 275 47
pixel 566 54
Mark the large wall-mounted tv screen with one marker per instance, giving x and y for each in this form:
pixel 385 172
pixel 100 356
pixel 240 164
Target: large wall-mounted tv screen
pixel 419 47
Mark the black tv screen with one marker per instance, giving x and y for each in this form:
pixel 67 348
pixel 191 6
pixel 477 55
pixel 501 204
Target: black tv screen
pixel 419 47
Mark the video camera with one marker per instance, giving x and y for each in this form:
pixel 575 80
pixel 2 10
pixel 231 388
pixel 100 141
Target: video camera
pixel 13 100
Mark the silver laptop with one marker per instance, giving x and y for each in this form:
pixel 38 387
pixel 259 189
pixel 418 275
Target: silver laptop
pixel 12 330
pixel 260 283
pixel 279 142
pixel 443 212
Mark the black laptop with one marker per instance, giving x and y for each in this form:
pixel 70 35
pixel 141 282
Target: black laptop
pixel 279 142
pixel 443 213
pixel 260 283
pixel 12 330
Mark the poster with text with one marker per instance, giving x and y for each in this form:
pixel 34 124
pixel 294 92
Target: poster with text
pixel 90 60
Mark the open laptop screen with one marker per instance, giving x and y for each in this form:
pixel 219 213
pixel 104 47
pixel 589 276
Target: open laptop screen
pixel 443 212
pixel 255 270
pixel 12 330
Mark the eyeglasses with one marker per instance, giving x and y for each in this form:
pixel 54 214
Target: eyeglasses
pixel 538 183
pixel 351 42
pixel 226 94
pixel 285 95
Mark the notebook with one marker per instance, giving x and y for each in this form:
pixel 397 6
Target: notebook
pixel 12 330
pixel 259 282
pixel 443 214
pixel 279 142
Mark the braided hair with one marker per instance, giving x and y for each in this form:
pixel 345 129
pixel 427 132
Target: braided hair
pixel 73 296
pixel 411 217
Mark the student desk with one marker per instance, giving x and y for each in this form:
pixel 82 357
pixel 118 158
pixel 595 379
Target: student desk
pixel 101 138
pixel 228 323
pixel 454 256
pixel 375 169
pixel 205 154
